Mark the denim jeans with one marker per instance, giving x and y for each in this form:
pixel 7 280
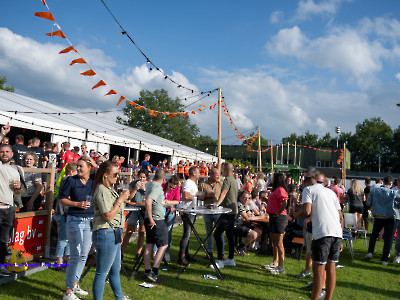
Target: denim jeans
pixel 108 261
pixel 388 225
pixel 62 243
pixel 209 222
pixel 225 224
pixel 80 240
pixel 169 221
pixel 184 244
pixel 7 216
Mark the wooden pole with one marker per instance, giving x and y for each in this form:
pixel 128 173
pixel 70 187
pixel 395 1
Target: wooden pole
pixel 300 158
pixel 49 205
pixel 219 128
pixel 282 155
pixel 344 166
pixel 295 150
pixel 276 156
pixel 259 150
pixel 287 156
pixel 272 159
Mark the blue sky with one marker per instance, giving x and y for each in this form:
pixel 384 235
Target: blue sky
pixel 287 66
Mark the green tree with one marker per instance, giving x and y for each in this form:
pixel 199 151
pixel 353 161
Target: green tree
pixel 372 142
pixel 3 81
pixel 264 142
pixel 178 129
pixel 307 139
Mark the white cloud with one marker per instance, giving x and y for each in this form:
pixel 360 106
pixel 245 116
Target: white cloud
pixel 342 50
pixel 398 76
pixel 309 8
pixel 276 16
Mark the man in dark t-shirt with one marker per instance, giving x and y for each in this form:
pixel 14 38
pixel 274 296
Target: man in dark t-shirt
pixel 19 149
pixel 38 150
pixel 367 191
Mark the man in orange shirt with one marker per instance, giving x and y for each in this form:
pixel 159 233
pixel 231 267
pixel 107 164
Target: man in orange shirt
pixel 181 170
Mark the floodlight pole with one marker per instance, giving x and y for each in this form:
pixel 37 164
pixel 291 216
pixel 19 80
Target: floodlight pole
pixel 259 149
pixel 219 128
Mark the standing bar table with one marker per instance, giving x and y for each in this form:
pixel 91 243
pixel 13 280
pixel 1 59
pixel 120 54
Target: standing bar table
pixel 201 210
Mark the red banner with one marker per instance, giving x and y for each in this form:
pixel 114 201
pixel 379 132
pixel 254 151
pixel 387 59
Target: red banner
pixel 28 235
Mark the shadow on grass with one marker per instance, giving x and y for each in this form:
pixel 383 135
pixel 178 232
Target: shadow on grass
pixel 375 292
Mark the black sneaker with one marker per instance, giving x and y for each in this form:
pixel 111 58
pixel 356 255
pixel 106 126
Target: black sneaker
pixel 146 276
pixel 240 251
pixel 182 261
pixel 155 278
pixel 307 288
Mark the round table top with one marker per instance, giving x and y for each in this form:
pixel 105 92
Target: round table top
pixel 135 204
pixel 202 210
pixel 132 208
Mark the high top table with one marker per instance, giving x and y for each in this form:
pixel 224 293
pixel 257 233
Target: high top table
pixel 201 210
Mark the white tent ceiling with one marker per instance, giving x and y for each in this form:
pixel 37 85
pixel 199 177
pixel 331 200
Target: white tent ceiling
pixel 24 112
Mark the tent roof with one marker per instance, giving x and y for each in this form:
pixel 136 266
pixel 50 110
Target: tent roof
pixel 26 112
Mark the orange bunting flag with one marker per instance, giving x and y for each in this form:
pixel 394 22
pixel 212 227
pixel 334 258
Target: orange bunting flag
pixel 89 73
pixel 45 15
pixel 66 50
pixel 100 83
pixel 78 61
pixel 120 99
pixel 193 112
pixel 151 112
pixel 200 109
pixel 58 33
pixel 139 107
pixel 226 114
pixel 186 114
pixel 203 105
pixel 132 103
pixel 156 113
pixel 111 92
pixel 211 107
pixel 181 113
pixel 172 115
pixel 214 105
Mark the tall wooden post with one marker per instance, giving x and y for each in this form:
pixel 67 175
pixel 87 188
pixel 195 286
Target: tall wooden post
pixel 295 150
pixel 259 150
pixel 49 205
pixel 287 156
pixel 276 154
pixel 272 158
pixel 282 155
pixel 219 127
pixel 344 165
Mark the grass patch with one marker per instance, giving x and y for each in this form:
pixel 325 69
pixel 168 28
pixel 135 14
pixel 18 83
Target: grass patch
pixel 359 279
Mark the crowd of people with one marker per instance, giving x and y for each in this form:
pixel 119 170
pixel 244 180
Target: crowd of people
pixel 89 212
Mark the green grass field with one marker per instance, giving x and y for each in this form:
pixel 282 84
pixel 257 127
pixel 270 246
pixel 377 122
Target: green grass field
pixel 359 279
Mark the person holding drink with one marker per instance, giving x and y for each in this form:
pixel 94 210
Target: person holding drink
pixel 137 190
pixel 108 223
pixel 74 194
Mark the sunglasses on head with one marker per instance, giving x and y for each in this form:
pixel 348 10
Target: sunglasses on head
pixel 115 175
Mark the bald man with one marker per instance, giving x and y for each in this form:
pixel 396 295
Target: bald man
pixel 227 199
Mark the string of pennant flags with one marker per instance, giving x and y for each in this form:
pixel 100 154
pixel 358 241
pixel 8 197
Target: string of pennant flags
pixel 299 146
pixel 91 72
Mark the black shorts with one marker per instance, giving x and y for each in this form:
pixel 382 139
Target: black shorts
pixel 242 230
pixel 356 209
pixel 158 235
pixel 277 224
pixel 326 248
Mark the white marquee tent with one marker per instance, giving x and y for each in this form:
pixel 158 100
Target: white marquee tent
pixel 98 132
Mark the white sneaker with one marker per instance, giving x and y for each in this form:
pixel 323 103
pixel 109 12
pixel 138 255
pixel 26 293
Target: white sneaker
pixel 126 298
pixel 368 256
pixel 77 290
pixel 384 263
pixel 167 257
pixel 271 266
pixel 70 296
pixel 229 262
pixel 396 260
pixel 277 270
pixel 219 263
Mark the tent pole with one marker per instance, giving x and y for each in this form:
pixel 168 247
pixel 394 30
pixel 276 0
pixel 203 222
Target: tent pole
pixel 219 128
pixel 259 150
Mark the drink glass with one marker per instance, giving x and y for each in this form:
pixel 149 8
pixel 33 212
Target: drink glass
pixel 88 201
pixel 143 199
pixel 194 202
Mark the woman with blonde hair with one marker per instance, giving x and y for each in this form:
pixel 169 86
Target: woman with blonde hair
pixel 33 199
pixel 356 196
pixel 247 185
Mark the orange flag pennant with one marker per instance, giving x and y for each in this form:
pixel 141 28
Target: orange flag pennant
pixel 193 112
pixel 78 61
pixel 172 115
pixel 156 113
pixel 100 83
pixel 111 92
pixel 211 107
pixel 66 50
pixel 89 73
pixel 181 113
pixel 132 103
pixel 186 114
pixel 45 15
pixel 58 33
pixel 200 109
pixel 203 105
pixel 139 107
pixel 226 114
pixel 120 99
pixel 151 112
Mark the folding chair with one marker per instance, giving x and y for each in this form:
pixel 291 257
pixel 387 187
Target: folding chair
pixel 348 238
pixel 350 223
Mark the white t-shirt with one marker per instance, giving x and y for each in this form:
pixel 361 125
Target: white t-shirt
pixel 191 187
pixel 324 211
pixel 6 173
pixel 261 185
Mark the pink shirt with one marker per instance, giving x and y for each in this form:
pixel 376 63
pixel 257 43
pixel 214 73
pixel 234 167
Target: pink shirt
pixel 174 194
pixel 338 191
pixel 275 199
